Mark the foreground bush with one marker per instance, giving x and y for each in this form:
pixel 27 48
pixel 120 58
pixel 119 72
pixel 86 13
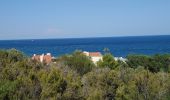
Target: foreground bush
pixel 75 77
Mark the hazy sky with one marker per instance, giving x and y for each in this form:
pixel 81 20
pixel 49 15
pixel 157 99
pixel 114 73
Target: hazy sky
pixel 23 19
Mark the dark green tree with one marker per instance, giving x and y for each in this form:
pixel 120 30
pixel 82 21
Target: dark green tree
pixel 108 61
pixel 78 62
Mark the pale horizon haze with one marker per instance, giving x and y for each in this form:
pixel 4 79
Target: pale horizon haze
pixel 43 19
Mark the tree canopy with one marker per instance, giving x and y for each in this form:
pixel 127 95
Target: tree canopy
pixel 75 77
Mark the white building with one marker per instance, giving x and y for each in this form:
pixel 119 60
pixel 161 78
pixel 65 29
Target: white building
pixel 94 56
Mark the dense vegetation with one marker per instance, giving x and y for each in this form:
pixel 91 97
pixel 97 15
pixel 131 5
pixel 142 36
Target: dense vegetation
pixel 75 77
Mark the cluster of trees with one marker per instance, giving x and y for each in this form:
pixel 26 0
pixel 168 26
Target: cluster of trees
pixel 75 77
pixel 153 63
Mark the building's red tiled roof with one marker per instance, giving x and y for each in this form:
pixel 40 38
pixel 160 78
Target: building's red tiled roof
pixel 95 54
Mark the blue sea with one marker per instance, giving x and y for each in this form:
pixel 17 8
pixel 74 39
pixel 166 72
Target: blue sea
pixel 118 46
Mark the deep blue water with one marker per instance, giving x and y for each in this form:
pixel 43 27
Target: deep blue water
pixel 119 46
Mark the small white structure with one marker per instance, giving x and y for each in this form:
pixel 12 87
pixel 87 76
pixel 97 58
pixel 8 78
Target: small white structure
pixel 120 58
pixel 94 56
pixel 48 54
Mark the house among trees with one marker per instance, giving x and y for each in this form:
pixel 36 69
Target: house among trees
pixel 94 56
pixel 43 58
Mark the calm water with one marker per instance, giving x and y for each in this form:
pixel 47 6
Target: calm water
pixel 119 46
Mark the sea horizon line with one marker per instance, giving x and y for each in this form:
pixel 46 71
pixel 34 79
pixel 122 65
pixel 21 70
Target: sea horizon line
pixel 85 37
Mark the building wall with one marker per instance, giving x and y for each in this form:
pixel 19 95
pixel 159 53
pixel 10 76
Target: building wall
pixel 96 59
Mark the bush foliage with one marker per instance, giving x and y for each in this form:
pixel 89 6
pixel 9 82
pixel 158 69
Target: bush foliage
pixel 75 77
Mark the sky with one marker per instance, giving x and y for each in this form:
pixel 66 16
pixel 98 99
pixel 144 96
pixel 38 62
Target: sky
pixel 36 19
